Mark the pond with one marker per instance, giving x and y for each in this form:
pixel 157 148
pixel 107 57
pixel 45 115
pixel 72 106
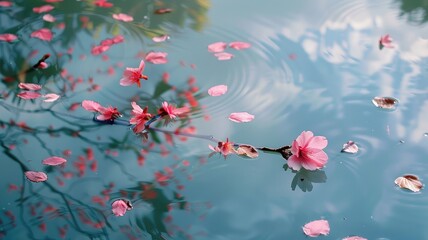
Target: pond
pixel 83 158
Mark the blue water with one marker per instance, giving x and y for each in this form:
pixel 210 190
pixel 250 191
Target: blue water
pixel 312 66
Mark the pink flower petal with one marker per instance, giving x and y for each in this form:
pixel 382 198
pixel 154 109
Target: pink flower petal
pixel 217 90
pixel 123 17
pixel 7 37
pixel 217 47
pixel 350 147
pixel 223 56
pixel 42 9
pixel 157 57
pixel 43 34
pixel 385 41
pixel 29 86
pixel 96 50
pixel 316 228
pixel 50 97
pixel 29 95
pixel 5 4
pixel 49 18
pixel 119 207
pixel 410 182
pixel 354 238
pixel 36 176
pixel 91 106
pixel 53 161
pixel 239 45
pixel 240 117
pixel 162 38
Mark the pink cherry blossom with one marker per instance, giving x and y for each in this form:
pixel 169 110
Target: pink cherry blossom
pixel 36 176
pixel 53 161
pixel 223 56
pixel 217 47
pixel 106 113
pixel 240 117
pixel 133 75
pixel 224 148
pixel 119 207
pixel 29 95
pixel 123 17
pixel 385 41
pixel 43 9
pixel 43 34
pixel 217 90
pixel 171 111
pixel 354 238
pixel 51 97
pixel 49 18
pixel 30 86
pixel 91 106
pixel 140 117
pixel 239 45
pixel 162 38
pixel 308 152
pixel 118 39
pixel 316 228
pixel 7 37
pixel 157 57
pixel 5 4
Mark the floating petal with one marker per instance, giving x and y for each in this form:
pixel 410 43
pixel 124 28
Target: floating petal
pixel 316 228
pixel 36 176
pixel 29 95
pixel 42 9
pixel 217 47
pixel 239 45
pixel 354 238
pixel 389 103
pixel 350 147
pixel 217 90
pixel 7 37
pixel 53 161
pixel 157 57
pixel 123 17
pixel 51 97
pixel 119 207
pixel 240 117
pixel 223 56
pixel 162 38
pixel 43 34
pixel 30 86
pixel 410 182
pixel 91 106
pixel 247 151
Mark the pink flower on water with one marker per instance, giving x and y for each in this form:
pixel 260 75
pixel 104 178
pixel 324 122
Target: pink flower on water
pixel 217 90
pixel 385 41
pixel 222 56
pixel 171 111
pixel 7 37
pixel 51 97
pixel 119 207
pixel 140 117
pixel 308 152
pixel 224 148
pixel 106 113
pixel 157 57
pixel 49 18
pixel 36 176
pixel 162 38
pixel 133 75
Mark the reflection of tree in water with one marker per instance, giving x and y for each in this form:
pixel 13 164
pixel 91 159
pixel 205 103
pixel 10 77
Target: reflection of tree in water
pixel 415 11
